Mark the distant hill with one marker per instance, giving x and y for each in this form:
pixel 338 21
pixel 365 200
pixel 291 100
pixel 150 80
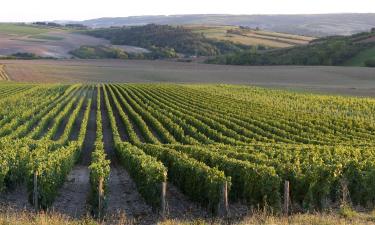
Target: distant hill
pixel 354 50
pixel 310 25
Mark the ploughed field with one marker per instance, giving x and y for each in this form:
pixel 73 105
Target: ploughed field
pixel 109 148
pixel 337 80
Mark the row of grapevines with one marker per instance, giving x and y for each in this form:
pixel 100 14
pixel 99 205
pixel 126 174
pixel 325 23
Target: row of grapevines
pixel 51 163
pixel 13 160
pixel 220 122
pixel 64 138
pixel 308 122
pixel 207 183
pixel 195 179
pixel 315 172
pixel 182 132
pixel 138 121
pixel 235 115
pixel 187 132
pixel 99 168
pixel 250 127
pixel 58 120
pixel 19 110
pixel 30 125
pixel 16 152
pixel 13 90
pixel 253 182
pixel 208 129
pixel 166 128
pixel 146 171
pixel 152 122
pixel 50 119
pixel 131 134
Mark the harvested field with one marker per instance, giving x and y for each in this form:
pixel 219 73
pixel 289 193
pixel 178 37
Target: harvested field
pixel 336 80
pixel 56 44
pixel 250 36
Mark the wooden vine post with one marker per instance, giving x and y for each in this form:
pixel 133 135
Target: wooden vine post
pixel 35 192
pixel 163 197
pixel 100 196
pixel 286 198
pixel 223 208
pixel 163 200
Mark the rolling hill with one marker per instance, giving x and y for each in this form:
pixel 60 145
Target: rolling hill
pixel 354 50
pixel 47 42
pixel 310 25
pixel 167 41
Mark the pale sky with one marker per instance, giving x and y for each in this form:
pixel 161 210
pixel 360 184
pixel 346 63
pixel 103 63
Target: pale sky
pixel 38 10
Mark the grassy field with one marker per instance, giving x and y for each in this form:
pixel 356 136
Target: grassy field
pixel 251 37
pixel 47 37
pixel 20 29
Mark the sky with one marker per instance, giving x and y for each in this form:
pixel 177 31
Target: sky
pixel 47 10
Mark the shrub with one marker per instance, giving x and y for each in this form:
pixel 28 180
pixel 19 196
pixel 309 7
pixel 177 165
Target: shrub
pixel 370 63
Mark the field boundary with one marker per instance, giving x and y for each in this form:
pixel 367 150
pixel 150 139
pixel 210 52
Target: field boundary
pixel 3 74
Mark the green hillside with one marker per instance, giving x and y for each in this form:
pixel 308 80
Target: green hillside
pixel 361 58
pixel 167 39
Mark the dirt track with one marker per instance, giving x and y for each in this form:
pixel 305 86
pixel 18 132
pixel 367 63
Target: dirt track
pixel 338 80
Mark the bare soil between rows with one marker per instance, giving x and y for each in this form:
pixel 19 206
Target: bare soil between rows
pixel 73 196
pixel 16 199
pixel 72 199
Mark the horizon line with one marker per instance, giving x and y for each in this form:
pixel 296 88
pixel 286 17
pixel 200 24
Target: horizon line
pixel 193 14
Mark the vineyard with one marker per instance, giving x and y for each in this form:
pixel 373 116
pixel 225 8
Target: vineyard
pixel 216 147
